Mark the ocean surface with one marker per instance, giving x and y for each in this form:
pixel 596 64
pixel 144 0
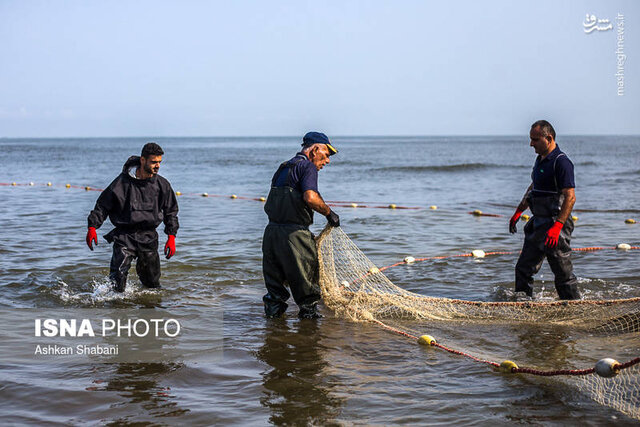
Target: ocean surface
pixel 293 372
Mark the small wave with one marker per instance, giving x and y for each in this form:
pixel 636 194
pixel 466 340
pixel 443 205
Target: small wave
pixel 99 291
pixel 464 167
pixel 502 293
pixel 590 289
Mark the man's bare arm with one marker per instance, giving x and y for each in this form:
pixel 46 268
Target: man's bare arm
pixel 523 203
pixel 567 204
pixel 315 202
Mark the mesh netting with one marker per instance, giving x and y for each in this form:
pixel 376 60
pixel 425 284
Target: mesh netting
pixel 563 338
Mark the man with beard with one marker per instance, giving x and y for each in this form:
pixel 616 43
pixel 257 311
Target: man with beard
pixel 136 202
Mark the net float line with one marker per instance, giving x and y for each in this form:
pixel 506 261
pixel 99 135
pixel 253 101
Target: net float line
pixel 481 254
pixel 334 203
pixel 377 300
pixel 506 366
pixel 49 184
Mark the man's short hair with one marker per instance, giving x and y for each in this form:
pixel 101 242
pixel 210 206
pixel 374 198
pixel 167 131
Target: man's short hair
pixel 545 127
pixel 151 149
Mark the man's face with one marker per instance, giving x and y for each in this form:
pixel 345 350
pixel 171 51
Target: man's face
pixel 539 141
pixel 319 156
pixel 151 164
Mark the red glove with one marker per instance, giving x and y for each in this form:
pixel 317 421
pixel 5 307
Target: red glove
pixel 514 220
pixel 92 236
pixel 170 247
pixel 553 234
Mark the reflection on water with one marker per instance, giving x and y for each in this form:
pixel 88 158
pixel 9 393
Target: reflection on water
pixel 314 372
pixel 138 386
pixel 295 388
pixel 547 347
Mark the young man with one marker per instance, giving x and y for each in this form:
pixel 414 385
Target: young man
pixel 288 247
pixel 136 202
pixel 550 197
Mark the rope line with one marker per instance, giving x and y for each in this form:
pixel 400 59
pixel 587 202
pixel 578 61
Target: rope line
pixel 569 372
pixel 518 370
pixel 630 363
pixel 335 203
pixel 508 366
pixel 469 254
pixel 462 353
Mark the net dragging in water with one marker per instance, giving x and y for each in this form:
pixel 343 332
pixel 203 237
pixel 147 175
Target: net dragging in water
pixel 562 338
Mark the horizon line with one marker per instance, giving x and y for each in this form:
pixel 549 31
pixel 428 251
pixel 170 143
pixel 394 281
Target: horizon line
pixel 300 136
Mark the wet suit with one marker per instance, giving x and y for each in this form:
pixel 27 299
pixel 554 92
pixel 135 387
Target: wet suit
pixel 289 250
pixel 550 175
pixel 136 207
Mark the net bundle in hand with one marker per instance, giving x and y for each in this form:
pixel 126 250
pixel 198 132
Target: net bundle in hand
pixel 564 339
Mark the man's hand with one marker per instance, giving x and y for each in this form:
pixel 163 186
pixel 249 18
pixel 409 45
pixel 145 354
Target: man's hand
pixel 170 247
pixel 514 220
pixel 553 234
pixel 92 236
pixel 333 219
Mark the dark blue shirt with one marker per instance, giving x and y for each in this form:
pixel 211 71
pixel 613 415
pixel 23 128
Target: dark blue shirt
pixel 303 177
pixel 552 174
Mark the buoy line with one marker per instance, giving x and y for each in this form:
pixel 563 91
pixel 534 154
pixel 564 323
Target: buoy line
pixel 334 203
pixel 479 253
pixel 606 368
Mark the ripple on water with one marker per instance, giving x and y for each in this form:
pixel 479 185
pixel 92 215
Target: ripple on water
pixel 99 292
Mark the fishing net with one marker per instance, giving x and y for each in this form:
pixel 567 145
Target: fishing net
pixel 563 339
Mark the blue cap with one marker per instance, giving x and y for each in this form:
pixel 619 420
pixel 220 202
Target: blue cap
pixel 318 138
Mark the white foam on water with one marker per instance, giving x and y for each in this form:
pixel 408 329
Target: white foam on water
pixel 100 290
pixel 590 289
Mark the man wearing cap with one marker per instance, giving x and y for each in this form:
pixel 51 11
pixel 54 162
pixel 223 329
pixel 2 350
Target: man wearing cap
pixel 288 247
pixel 550 197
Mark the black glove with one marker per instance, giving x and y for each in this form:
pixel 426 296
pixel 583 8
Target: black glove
pixel 333 219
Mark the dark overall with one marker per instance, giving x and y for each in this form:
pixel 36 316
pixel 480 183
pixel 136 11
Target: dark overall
pixel 289 254
pixel 545 210
pixel 127 246
pixel 135 207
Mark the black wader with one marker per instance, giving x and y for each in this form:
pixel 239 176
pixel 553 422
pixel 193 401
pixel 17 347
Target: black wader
pixel 289 254
pixel 127 246
pixel 545 211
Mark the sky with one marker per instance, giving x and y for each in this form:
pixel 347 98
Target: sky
pixel 269 68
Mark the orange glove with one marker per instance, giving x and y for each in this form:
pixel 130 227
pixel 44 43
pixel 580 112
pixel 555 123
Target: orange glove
pixel 170 247
pixel 514 220
pixel 92 236
pixel 553 234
